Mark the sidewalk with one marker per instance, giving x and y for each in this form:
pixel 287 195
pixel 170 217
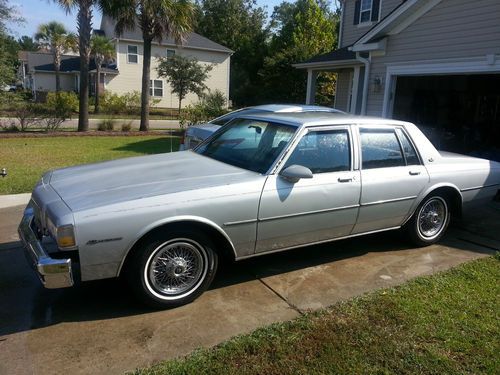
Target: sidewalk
pixel 93 123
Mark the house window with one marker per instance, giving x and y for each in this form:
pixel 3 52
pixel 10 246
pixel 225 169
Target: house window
pixel 132 54
pixel 156 87
pixel 170 53
pixel 365 11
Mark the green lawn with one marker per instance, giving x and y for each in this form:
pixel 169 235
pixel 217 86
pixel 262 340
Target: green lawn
pixel 26 159
pixel 448 323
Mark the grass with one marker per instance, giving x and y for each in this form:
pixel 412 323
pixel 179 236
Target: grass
pixel 26 159
pixel 442 324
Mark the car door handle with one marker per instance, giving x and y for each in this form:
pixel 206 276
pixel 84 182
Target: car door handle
pixel 414 173
pixel 345 179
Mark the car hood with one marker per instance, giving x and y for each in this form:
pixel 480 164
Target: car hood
pixel 94 185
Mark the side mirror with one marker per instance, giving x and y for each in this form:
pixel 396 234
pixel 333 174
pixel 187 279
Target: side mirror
pixel 295 172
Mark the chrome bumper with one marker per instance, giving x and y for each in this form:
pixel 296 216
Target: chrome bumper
pixel 53 273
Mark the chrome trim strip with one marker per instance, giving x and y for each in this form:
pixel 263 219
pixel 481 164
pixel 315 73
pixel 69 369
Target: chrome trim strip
pixel 309 213
pixel 314 243
pixel 250 221
pixel 479 187
pixel 389 201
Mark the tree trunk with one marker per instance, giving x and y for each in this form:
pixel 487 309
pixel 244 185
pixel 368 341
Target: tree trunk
pixel 97 87
pixel 146 77
pixel 179 111
pixel 84 29
pixel 57 68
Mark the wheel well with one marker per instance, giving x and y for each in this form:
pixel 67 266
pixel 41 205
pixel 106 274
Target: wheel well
pixel 453 197
pixel 222 246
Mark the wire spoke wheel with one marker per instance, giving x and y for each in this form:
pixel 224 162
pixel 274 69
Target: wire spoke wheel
pixel 176 268
pixel 432 218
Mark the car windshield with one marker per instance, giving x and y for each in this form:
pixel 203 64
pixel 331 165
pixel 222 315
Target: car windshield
pixel 248 144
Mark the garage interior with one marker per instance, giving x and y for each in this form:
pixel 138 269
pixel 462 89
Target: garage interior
pixel 459 113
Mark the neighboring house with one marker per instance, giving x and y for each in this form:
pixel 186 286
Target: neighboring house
pixel 432 62
pixel 124 74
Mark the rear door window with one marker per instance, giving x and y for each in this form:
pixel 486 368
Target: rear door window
pixel 380 148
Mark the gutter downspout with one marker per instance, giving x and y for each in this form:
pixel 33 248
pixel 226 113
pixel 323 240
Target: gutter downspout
pixel 341 26
pixel 367 64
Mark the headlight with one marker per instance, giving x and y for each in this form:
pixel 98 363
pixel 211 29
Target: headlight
pixel 64 235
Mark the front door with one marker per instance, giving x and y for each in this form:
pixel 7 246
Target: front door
pixel 317 209
pixel 392 176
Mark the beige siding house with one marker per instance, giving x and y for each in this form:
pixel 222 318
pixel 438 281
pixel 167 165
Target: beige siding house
pixel 123 75
pixel 432 62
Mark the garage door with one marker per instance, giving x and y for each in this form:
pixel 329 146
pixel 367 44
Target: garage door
pixel 459 113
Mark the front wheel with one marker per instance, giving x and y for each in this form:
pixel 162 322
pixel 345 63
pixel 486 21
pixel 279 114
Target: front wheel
pixel 172 270
pixel 430 221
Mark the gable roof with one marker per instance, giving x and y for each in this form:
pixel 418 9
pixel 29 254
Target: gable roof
pixel 192 39
pixel 397 20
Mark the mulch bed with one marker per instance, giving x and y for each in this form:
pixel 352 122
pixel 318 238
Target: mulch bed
pixel 91 133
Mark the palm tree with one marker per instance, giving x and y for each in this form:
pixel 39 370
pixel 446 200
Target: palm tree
pixel 157 19
pixel 54 37
pixel 84 26
pixel 103 50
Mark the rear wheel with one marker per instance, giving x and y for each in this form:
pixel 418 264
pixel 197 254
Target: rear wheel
pixel 430 221
pixel 172 270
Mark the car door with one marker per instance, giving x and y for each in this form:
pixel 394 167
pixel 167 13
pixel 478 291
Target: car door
pixel 392 177
pixel 316 209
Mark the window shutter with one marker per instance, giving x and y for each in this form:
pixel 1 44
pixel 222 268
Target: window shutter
pixel 357 8
pixel 375 10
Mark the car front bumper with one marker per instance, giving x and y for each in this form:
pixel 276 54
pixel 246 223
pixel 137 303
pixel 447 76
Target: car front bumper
pixel 53 273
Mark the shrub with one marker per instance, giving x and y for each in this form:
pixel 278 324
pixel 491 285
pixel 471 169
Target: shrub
pixel 65 103
pixel 128 103
pixel 126 127
pixel 58 108
pixel 212 105
pixel 19 106
pixel 106 125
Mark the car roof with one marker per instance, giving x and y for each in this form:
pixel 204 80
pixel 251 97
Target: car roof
pixel 285 108
pixel 306 119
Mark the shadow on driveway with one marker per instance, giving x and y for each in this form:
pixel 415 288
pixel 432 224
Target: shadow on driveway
pixel 27 305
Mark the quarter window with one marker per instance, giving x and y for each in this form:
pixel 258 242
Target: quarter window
pixel 156 87
pixel 408 149
pixel 380 149
pixel 323 151
pixel 132 54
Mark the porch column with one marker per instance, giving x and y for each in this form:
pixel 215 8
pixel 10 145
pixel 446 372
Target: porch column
pixel 311 86
pixel 355 90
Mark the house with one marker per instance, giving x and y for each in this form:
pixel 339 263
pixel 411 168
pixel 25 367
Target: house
pixel 124 73
pixel 432 62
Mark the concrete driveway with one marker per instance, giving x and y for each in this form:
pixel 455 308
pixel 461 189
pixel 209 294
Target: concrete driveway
pixel 97 328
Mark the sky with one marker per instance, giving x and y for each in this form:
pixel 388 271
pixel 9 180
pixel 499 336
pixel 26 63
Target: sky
pixel 36 12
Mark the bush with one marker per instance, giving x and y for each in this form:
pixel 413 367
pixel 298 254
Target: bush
pixel 129 103
pixel 65 103
pixel 58 108
pixel 106 125
pixel 126 127
pixel 19 106
pixel 211 106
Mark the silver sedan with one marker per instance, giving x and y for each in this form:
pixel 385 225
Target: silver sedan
pixel 261 184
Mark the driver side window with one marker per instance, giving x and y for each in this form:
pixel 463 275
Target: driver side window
pixel 323 151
